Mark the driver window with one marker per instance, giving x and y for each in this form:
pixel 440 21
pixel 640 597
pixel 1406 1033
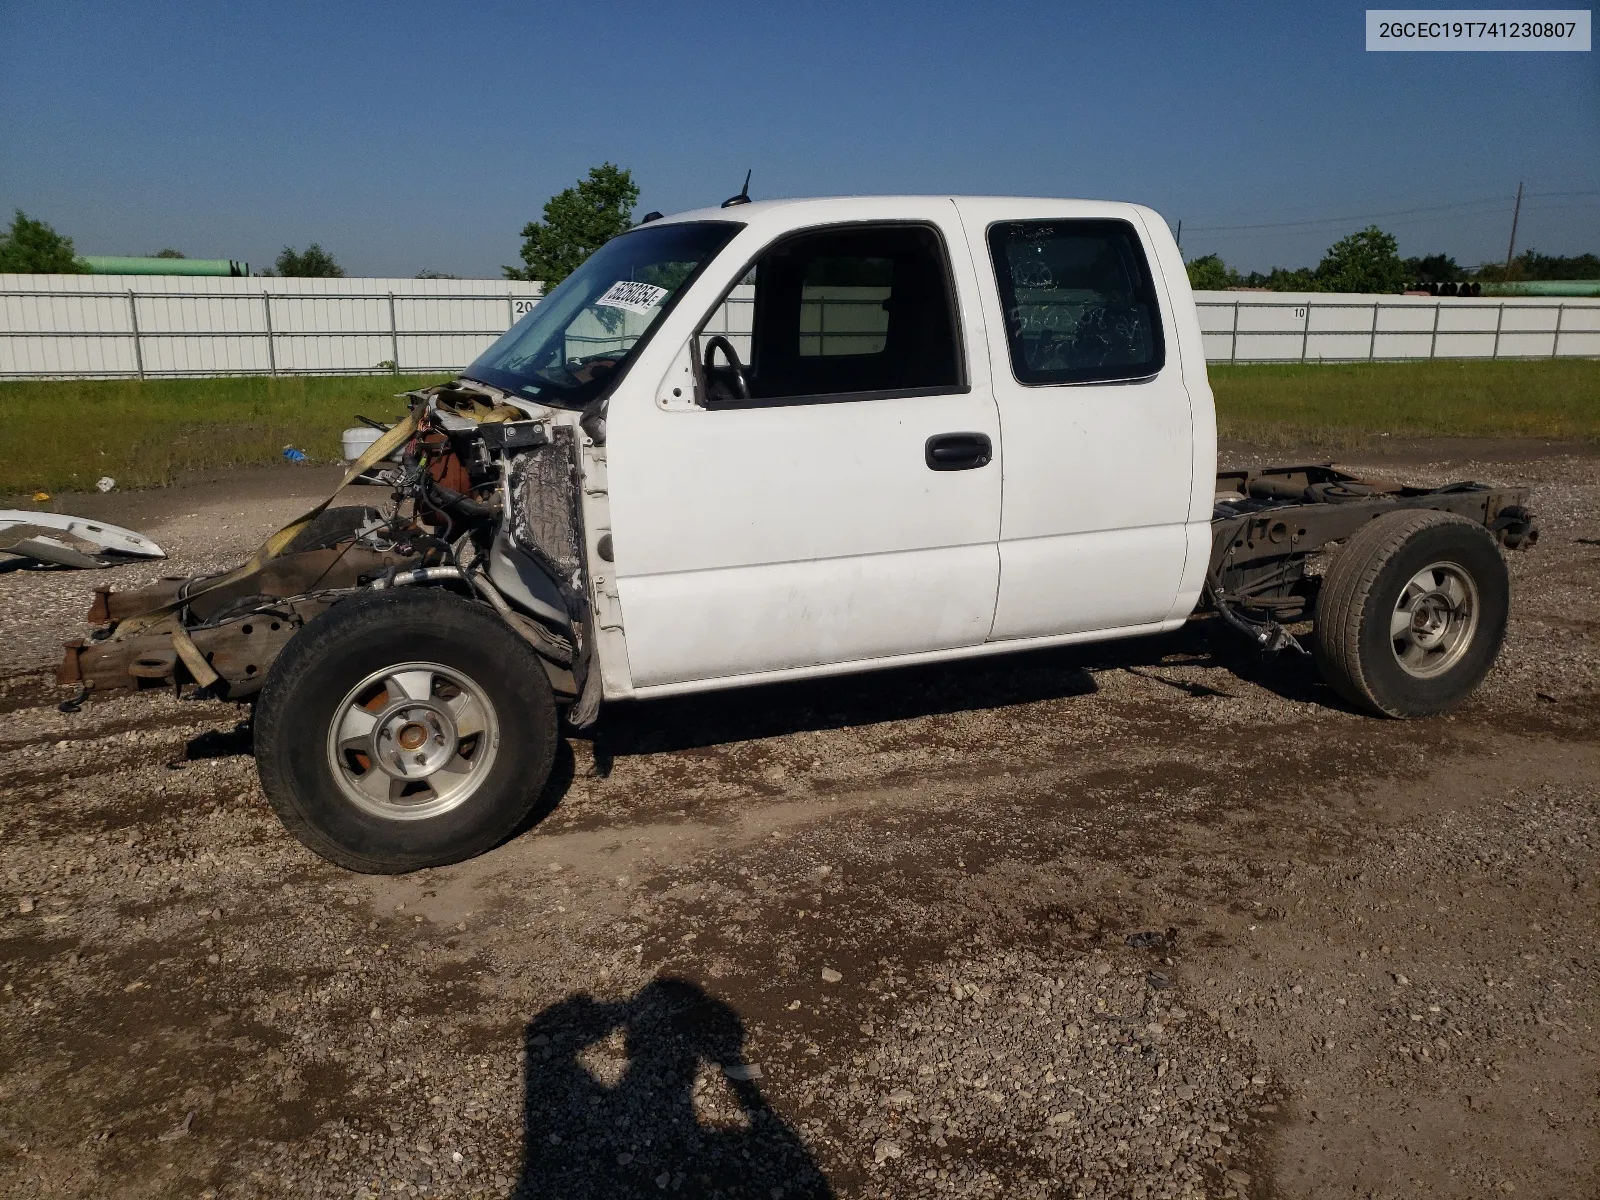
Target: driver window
pixel 838 313
pixel 733 317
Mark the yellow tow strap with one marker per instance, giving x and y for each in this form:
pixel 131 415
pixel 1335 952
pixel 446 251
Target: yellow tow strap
pixel 275 545
pixel 278 542
pixel 204 673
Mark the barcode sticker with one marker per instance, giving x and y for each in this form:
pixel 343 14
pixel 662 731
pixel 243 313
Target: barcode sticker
pixel 634 297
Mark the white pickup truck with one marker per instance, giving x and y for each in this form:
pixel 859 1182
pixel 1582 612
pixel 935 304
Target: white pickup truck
pixel 781 440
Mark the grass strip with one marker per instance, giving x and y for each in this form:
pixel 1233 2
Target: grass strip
pixel 1354 404
pixel 61 435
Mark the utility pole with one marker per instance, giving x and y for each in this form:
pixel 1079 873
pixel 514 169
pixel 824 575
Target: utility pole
pixel 1515 213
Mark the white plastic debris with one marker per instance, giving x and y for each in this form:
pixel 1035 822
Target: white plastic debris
pixel 106 483
pixel 69 541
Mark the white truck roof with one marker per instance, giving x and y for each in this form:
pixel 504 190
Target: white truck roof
pixel 847 208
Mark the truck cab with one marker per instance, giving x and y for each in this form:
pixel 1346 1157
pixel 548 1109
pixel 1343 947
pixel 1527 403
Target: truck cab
pixel 869 431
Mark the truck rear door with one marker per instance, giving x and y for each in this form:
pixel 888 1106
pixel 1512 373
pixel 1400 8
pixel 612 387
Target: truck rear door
pixel 1094 415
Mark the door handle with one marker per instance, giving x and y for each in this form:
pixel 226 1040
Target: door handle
pixel 958 451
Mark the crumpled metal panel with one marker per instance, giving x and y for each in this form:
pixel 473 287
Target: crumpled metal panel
pixel 545 519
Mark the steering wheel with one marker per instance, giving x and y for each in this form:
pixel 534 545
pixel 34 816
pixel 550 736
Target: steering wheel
pixel 718 342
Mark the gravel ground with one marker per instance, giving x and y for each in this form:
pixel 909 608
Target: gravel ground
pixel 1157 919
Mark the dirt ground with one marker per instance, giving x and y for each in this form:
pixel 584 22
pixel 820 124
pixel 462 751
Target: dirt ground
pixel 1149 919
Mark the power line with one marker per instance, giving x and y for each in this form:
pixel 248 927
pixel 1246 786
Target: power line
pixel 1405 223
pixel 1249 231
pixel 1496 214
pixel 1404 212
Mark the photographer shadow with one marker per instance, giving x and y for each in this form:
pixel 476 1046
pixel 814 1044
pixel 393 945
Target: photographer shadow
pixel 640 1134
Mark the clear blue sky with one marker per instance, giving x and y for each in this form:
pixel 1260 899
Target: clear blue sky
pixel 405 135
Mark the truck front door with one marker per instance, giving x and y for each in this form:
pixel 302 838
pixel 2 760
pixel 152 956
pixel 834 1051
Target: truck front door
pixel 824 488
pixel 1099 442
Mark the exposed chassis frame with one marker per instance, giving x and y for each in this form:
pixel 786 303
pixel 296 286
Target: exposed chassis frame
pixel 1268 526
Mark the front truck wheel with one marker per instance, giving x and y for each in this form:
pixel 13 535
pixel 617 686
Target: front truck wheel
pixel 403 729
pixel 1412 613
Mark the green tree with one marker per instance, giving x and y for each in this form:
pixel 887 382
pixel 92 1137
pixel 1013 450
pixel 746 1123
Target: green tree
pixel 1530 264
pixel 1209 273
pixel 31 247
pixel 1293 279
pixel 1435 268
pixel 1284 279
pixel 1368 261
pixel 311 263
pixel 169 252
pixel 1558 266
pixel 577 222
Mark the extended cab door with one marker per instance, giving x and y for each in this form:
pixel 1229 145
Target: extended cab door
pixel 1095 416
pixel 832 497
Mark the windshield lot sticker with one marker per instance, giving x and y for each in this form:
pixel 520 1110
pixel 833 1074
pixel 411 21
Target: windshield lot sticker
pixel 634 297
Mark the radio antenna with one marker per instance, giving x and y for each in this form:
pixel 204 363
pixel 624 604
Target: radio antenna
pixel 744 193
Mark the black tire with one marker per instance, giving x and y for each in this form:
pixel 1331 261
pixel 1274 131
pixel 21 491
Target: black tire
pixel 310 682
pixel 1361 591
pixel 331 526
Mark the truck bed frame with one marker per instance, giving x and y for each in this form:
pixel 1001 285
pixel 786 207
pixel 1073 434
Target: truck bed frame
pixel 1269 527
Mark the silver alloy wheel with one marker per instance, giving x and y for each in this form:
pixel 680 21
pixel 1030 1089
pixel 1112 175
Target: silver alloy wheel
pixel 1434 620
pixel 412 741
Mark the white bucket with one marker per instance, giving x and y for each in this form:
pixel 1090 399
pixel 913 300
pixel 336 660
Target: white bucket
pixel 354 442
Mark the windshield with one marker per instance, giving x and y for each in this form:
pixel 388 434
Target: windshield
pixel 579 337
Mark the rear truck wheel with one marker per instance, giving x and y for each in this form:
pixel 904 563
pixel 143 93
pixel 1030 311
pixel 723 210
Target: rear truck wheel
pixel 1412 613
pixel 404 728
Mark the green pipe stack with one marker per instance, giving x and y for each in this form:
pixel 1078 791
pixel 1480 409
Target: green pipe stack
pixel 1547 287
pixel 117 264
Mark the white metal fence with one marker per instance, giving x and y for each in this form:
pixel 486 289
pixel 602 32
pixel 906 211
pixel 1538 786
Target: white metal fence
pixel 138 326
pixel 1323 327
pixel 79 326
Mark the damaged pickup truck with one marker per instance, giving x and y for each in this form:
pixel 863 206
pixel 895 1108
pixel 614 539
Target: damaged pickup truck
pixel 782 440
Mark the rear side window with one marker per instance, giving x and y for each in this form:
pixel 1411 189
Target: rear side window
pixel 1079 303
